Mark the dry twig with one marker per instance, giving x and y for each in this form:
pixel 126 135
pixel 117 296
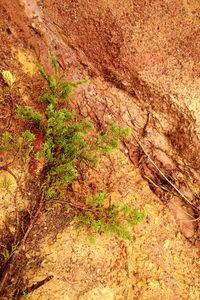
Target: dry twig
pixel 160 172
pixel 7 273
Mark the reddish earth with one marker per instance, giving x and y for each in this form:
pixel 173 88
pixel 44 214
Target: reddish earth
pixel 143 60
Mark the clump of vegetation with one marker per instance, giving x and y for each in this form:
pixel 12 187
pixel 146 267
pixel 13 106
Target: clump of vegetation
pixel 17 148
pixel 67 143
pixel 8 254
pixel 111 219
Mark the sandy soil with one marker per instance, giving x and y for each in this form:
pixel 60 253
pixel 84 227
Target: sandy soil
pixel 137 78
pixel 158 264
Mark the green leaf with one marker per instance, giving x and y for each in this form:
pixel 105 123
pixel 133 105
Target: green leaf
pixel 97 225
pixel 99 199
pixel 54 62
pixel 52 83
pixel 88 200
pixel 6 137
pixel 42 72
pixel 49 98
pixel 126 210
pixel 51 192
pixel 126 132
pixel 28 136
pixel 92 239
pixel 66 89
pixel 5 182
pixel 27 113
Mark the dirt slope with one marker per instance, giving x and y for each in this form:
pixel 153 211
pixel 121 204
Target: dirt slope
pixel 158 264
pixel 149 49
pixel 130 52
pixel 142 50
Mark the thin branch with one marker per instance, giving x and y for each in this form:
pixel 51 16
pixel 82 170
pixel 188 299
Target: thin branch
pixel 34 286
pixel 33 220
pixel 11 112
pixel 185 212
pixel 5 277
pixel 158 169
pixel 164 176
pixel 163 188
pixel 156 185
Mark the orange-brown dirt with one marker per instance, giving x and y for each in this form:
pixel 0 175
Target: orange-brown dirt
pixel 143 60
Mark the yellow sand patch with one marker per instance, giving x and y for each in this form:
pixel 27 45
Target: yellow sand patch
pixel 8 192
pixel 26 60
pixel 22 93
pixel 6 181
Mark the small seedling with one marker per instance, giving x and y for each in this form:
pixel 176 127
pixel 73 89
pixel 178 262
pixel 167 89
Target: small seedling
pixel 8 253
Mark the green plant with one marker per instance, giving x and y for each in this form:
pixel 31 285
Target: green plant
pixel 66 144
pixel 18 147
pixel 5 182
pixel 114 219
pixel 8 253
pixel 9 142
pixel 25 296
pixel 28 114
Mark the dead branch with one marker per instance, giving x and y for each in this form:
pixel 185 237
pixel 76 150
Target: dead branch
pixel 164 176
pixel 34 286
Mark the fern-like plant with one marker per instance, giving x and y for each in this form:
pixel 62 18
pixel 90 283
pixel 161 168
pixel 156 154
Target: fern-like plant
pixel 114 219
pixel 18 148
pixel 66 143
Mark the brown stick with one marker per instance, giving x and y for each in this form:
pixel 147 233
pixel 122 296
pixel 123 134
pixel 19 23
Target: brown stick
pixel 164 176
pixel 35 286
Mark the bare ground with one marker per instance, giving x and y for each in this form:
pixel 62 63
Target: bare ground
pixel 137 78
